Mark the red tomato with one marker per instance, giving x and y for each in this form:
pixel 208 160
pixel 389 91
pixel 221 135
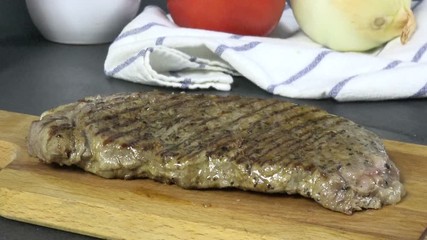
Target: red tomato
pixel 243 17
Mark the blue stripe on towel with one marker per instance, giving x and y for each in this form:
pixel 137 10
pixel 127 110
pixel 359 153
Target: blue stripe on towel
pixel 392 65
pixel 236 36
pixel 339 86
pixel 246 47
pixel 337 89
pixel 128 62
pixel 317 60
pixel 160 40
pixel 421 93
pixel 137 30
pixel 420 53
pixel 186 83
pixel 416 3
pixel 417 57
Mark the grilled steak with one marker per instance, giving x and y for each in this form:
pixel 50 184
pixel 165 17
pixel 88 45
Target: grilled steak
pixel 205 141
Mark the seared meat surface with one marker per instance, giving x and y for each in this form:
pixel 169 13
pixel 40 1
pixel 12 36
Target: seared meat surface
pixel 205 141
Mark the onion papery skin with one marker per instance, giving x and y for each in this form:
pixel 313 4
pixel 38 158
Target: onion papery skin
pixel 354 25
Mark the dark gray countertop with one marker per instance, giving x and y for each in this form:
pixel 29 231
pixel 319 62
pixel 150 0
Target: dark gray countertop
pixel 36 75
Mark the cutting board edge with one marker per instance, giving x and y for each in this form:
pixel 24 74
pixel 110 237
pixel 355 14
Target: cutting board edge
pixel 330 232
pixel 27 217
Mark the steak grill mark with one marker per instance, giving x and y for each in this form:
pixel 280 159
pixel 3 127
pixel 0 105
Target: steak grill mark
pixel 206 141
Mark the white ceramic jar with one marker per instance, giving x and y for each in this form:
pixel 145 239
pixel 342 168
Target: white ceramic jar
pixel 81 21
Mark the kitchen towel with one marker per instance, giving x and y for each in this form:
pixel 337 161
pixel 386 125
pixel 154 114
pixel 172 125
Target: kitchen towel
pixel 152 50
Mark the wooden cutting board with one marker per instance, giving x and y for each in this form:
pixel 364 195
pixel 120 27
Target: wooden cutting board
pixel 72 200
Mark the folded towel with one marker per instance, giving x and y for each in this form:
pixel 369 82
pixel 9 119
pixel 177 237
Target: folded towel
pixel 153 50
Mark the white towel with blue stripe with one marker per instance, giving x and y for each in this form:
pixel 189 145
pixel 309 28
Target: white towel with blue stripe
pixel 153 50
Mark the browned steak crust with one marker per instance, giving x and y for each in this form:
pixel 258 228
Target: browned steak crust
pixel 207 141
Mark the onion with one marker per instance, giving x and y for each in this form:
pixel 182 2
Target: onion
pixel 354 25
